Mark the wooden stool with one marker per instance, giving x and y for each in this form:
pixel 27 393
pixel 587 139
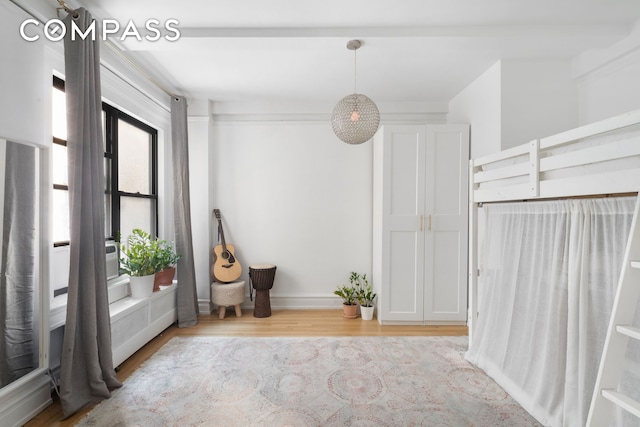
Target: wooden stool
pixel 226 295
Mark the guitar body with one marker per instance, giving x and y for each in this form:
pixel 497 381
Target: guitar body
pixel 226 267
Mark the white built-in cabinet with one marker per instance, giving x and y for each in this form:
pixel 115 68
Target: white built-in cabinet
pixel 420 223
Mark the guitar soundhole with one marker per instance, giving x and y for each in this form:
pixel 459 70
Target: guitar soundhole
pixel 227 255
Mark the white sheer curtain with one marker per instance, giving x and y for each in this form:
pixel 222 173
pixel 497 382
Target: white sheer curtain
pixel 547 282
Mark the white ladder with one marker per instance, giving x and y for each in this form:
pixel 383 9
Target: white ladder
pixel 605 393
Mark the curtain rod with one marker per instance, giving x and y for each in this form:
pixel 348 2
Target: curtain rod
pixel 67 9
pixel 139 69
pixel 118 51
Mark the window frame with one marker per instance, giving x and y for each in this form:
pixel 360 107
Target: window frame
pixel 111 143
pixel 58 83
pixel 113 115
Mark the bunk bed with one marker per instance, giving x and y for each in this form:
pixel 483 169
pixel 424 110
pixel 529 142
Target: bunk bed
pixel 583 182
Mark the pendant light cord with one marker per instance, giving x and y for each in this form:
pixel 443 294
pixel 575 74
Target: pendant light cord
pixel 355 71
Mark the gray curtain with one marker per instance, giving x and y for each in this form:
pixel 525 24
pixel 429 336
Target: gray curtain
pixel 18 346
pixel 87 373
pixel 187 294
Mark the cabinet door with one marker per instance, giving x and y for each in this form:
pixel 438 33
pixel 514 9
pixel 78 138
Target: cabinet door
pixel 446 231
pixel 402 247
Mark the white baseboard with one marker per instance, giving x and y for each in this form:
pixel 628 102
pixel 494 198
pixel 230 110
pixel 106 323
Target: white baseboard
pixel 423 322
pixel 24 398
pixel 279 302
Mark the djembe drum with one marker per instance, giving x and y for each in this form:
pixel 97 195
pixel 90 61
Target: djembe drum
pixel 261 276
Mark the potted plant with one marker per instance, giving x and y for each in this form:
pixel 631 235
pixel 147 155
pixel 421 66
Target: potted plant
pixel 139 263
pixel 165 262
pixel 349 298
pixel 366 296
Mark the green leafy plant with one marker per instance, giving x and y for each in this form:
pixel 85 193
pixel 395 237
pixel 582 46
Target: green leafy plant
pixel 366 296
pixel 143 255
pixel 138 254
pixel 364 292
pixel 165 255
pixel 358 290
pixel 347 293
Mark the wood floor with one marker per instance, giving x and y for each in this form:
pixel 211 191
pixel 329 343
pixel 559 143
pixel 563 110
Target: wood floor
pixel 280 323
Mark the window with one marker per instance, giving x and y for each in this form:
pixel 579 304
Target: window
pixel 60 200
pixel 130 167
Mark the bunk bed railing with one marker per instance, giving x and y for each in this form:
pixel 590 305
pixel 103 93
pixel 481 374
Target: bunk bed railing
pixel 594 159
pixel 597 159
pixel 571 163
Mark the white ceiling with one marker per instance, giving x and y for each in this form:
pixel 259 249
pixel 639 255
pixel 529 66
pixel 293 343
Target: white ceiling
pixel 414 50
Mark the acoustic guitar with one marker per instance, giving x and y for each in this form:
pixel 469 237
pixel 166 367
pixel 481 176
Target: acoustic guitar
pixel 226 267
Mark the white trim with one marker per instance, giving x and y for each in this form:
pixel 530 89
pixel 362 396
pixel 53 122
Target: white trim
pixel 3 164
pixel 24 398
pixel 423 323
pixel 284 302
pixel 322 118
pixel 594 61
pixel 425 31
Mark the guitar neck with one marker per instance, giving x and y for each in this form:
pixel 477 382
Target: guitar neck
pixel 221 231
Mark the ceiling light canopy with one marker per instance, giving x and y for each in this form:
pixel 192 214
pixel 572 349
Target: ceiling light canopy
pixel 355 118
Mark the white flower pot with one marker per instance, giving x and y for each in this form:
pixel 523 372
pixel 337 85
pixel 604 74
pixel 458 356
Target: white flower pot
pixel 141 286
pixel 367 312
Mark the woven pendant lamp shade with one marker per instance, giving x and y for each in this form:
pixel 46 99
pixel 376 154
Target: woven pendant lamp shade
pixel 355 118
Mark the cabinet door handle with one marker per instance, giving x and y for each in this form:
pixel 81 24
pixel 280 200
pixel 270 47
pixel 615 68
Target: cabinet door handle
pixel 420 222
pixel 429 222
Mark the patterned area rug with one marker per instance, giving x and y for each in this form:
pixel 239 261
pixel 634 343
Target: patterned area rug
pixel 319 381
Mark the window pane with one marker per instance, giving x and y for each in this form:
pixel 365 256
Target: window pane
pixel 107 174
pixel 107 198
pixel 104 130
pixel 59 114
pixel 60 215
pixel 134 159
pixel 136 213
pixel 107 216
pixel 60 161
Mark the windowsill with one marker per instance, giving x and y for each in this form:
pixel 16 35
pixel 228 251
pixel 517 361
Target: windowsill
pixel 118 290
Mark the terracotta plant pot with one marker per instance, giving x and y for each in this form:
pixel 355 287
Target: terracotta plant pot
pixel 164 278
pixel 350 311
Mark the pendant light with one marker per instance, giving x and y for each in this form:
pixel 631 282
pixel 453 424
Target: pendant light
pixel 355 118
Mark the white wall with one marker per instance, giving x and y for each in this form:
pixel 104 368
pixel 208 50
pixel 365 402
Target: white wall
pixel 199 183
pixel 291 194
pixel 23 107
pixel 609 79
pixel 515 101
pixel 479 104
pixel 539 98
